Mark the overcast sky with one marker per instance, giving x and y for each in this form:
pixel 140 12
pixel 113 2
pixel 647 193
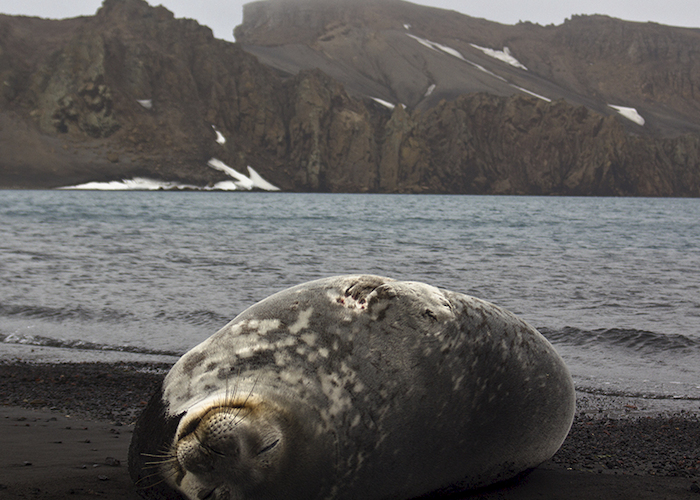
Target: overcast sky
pixel 222 15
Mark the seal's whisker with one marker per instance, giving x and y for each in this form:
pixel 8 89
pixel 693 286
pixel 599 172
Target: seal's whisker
pixel 161 481
pixel 237 381
pixel 155 464
pixel 245 402
pixel 163 478
pixel 165 455
pixel 228 405
pixel 223 401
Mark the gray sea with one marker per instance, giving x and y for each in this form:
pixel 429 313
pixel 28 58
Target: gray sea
pixel 613 283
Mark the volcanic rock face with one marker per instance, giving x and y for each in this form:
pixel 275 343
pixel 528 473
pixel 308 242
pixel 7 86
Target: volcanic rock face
pixel 417 55
pixel 380 96
pixel 130 91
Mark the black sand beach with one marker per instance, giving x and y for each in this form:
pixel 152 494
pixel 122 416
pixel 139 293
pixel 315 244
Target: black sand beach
pixel 65 431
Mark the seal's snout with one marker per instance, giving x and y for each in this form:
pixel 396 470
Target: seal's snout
pixel 225 449
pixel 195 456
pixel 216 438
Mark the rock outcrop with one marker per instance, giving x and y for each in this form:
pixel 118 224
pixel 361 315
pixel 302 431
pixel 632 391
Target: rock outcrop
pixel 132 91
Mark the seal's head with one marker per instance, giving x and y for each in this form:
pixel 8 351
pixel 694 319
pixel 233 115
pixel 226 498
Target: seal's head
pixel 228 449
pixel 254 446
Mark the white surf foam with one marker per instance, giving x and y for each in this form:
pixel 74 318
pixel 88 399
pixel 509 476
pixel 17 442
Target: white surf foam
pixel 135 184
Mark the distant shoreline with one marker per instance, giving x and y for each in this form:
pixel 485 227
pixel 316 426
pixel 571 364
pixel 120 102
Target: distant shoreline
pixel 201 189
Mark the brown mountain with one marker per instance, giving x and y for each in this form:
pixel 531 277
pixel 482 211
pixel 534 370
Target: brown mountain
pixel 405 99
pixel 397 51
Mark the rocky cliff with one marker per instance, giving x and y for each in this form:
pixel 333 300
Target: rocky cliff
pixel 132 91
pixel 415 55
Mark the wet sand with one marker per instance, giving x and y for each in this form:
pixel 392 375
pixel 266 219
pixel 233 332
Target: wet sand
pixel 65 431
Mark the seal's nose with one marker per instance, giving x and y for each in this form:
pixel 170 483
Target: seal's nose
pixel 199 454
pixel 193 457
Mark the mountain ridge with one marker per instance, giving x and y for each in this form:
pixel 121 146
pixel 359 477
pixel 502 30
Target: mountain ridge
pixel 133 91
pixel 594 61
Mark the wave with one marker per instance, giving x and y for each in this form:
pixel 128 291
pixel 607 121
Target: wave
pixel 41 341
pixel 634 394
pixel 61 313
pixel 627 338
pixel 197 318
pixel 108 315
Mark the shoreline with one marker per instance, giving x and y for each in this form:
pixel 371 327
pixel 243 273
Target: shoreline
pixel 72 422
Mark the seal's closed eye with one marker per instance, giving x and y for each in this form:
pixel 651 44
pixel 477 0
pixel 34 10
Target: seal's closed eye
pixel 269 447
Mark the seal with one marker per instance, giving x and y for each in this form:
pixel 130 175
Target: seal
pixel 354 387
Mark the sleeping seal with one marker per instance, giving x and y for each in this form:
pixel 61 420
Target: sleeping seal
pixel 354 387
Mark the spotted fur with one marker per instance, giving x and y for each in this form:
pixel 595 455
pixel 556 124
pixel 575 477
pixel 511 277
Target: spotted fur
pixel 372 388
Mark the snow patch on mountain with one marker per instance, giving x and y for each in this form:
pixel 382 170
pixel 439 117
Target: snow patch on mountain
pixel 630 113
pixel 502 55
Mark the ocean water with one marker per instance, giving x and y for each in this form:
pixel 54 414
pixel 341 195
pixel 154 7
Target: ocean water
pixel 613 283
